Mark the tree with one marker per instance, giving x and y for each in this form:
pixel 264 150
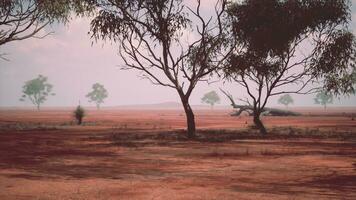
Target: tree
pixel 79 114
pixel 304 43
pixel 37 90
pixel 98 94
pixel 150 34
pixel 23 19
pixel 286 100
pixel 323 98
pixel 211 98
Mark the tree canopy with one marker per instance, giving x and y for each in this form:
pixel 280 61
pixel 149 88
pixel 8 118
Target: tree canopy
pixel 150 34
pixel 211 98
pixel 323 98
pixel 23 19
pixel 270 54
pixel 98 94
pixel 286 100
pixel 37 90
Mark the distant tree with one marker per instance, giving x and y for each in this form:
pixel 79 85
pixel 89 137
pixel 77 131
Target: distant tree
pixel 271 56
pixel 79 114
pixel 323 98
pixel 286 100
pixel 151 36
pixel 98 94
pixel 23 19
pixel 37 90
pixel 211 98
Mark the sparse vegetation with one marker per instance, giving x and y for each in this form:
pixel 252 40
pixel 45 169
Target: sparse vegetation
pixel 79 114
pixel 107 150
pixel 270 48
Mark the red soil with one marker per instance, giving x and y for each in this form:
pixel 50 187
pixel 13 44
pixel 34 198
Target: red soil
pixel 44 156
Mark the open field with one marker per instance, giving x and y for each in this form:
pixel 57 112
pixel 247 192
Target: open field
pixel 143 154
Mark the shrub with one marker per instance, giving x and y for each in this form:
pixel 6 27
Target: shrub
pixel 79 114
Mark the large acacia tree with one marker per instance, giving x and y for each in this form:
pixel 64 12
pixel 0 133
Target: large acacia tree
pixel 23 19
pixel 151 37
pixel 290 46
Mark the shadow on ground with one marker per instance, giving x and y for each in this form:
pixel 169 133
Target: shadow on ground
pixel 119 154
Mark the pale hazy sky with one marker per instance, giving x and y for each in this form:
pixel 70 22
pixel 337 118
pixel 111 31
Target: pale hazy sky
pixel 72 64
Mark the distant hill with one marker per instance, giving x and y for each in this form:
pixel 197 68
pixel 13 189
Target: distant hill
pixel 168 105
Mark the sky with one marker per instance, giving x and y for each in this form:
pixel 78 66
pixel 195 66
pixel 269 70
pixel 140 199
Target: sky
pixel 73 63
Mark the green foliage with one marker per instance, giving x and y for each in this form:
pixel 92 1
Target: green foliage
pixel 44 10
pixel 151 39
pixel 286 100
pixel 211 98
pixel 269 27
pixel 98 94
pixel 22 19
pixel 271 31
pixel 323 98
pixel 163 19
pixel 79 114
pixel 335 62
pixel 270 53
pixel 37 90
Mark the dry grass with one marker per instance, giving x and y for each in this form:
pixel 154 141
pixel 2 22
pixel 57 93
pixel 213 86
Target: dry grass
pixel 117 156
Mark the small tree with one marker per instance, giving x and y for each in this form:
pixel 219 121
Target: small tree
pixel 323 98
pixel 98 94
pixel 211 98
pixel 79 114
pixel 286 100
pixel 37 90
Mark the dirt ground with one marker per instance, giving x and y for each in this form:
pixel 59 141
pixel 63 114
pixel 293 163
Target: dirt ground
pixel 135 154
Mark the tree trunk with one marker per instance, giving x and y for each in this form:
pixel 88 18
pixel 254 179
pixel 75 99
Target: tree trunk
pixel 98 106
pixel 80 120
pixel 258 123
pixel 190 118
pixel 38 106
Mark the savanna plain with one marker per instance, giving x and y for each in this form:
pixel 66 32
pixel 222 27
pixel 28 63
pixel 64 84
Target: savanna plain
pixel 144 154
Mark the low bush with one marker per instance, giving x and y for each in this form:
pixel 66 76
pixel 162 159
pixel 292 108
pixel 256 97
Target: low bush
pixel 79 114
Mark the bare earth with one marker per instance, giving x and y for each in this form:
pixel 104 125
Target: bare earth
pixel 133 154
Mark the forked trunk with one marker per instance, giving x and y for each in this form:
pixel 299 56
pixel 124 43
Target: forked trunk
pixel 258 123
pixel 190 118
